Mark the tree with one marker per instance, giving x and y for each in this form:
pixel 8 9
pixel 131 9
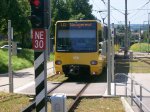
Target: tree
pixel 144 36
pixel 59 11
pixel 16 11
pixel 80 9
pixel 71 9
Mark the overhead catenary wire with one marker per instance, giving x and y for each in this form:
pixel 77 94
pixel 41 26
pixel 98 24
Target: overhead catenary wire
pixel 99 8
pixel 115 19
pixel 120 11
pixel 133 14
pixel 138 18
pixel 96 5
pixel 112 7
pixel 143 6
pixel 103 11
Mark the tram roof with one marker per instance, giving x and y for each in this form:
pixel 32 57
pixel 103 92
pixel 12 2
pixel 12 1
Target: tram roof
pixel 79 21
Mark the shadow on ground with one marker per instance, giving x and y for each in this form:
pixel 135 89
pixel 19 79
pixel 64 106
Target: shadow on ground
pixel 17 75
pixel 90 79
pixel 121 65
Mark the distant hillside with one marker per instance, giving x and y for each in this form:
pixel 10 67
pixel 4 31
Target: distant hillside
pixel 137 26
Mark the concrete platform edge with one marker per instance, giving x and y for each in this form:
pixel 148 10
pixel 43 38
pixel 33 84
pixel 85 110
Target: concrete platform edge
pixel 126 105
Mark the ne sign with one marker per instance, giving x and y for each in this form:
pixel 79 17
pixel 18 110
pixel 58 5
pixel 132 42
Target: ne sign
pixel 38 39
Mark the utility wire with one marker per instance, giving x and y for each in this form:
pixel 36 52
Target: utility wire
pixel 140 9
pixel 95 4
pixel 112 7
pixel 115 19
pixel 120 11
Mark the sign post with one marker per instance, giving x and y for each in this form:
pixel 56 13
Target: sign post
pixel 14 48
pixel 108 54
pixel 39 46
pixel 10 54
pixel 40 20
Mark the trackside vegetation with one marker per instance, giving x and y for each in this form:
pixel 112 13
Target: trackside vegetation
pixel 17 102
pixel 13 102
pixel 140 47
pixel 24 59
pixel 60 10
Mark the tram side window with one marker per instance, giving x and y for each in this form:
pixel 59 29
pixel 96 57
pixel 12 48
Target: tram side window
pixel 100 38
pixel 99 35
pixel 105 33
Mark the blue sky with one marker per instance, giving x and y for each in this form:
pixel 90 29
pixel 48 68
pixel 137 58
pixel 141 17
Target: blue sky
pixel 137 10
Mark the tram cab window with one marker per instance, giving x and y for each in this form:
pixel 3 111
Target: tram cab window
pixel 76 40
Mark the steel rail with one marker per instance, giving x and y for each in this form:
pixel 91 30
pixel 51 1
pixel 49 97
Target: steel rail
pixel 144 61
pixel 77 97
pixel 33 104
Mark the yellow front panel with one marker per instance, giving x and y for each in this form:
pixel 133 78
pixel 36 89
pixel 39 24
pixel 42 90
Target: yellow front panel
pixel 79 58
pixel 76 58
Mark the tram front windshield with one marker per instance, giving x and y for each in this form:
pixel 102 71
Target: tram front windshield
pixel 76 37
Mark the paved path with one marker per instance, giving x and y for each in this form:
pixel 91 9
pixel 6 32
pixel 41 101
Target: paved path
pixel 144 80
pixel 21 78
pixel 70 89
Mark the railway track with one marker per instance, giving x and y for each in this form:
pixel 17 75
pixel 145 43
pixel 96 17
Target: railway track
pixel 145 61
pixel 73 105
pixel 32 106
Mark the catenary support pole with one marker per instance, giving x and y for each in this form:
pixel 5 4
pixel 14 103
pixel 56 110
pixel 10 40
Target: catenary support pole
pixel 112 68
pixel 108 54
pixel 148 32
pixel 129 43
pixel 126 32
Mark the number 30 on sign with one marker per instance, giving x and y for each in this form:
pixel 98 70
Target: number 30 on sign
pixel 38 39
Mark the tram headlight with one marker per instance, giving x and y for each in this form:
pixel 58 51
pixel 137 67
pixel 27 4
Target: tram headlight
pixel 58 62
pixel 93 62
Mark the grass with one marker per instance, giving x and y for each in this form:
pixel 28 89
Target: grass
pixel 12 102
pixel 95 105
pixel 23 59
pixel 100 105
pixel 139 67
pixel 57 78
pixel 134 66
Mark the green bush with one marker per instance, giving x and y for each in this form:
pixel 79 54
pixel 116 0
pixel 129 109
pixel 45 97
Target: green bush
pixel 140 47
pixel 117 46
